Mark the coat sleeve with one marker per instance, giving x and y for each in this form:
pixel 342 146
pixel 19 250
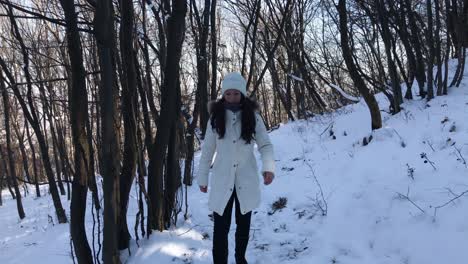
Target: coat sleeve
pixel 264 145
pixel 208 150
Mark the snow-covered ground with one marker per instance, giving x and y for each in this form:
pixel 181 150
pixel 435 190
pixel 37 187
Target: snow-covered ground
pixel 377 211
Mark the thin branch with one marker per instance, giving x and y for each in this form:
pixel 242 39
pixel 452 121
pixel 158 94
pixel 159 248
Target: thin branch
pixel 411 201
pixel 450 201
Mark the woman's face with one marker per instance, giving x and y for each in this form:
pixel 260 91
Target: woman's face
pixel 232 96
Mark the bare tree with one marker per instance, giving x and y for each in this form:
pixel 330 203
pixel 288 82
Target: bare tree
pixel 169 116
pixel 129 110
pixel 11 161
pixel 105 38
pixel 430 47
pixel 376 120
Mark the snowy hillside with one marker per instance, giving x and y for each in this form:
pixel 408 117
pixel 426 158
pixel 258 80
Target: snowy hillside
pixel 386 202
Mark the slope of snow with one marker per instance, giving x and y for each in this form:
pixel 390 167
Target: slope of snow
pixel 376 212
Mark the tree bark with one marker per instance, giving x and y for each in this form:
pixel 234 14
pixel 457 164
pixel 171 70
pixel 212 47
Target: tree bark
pixel 386 36
pixel 176 29
pixel 78 99
pixel 11 160
pixel 438 51
pixel 376 119
pixel 214 50
pixel 24 155
pixel 202 59
pixel 3 158
pixel 417 46
pixel 129 101
pixel 105 37
pixel 430 46
pixel 34 161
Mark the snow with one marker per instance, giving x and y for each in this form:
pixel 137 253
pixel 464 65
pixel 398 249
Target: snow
pixel 376 212
pixel 345 95
pixel 299 79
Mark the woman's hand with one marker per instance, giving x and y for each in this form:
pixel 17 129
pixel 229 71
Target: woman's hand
pixel 268 177
pixel 203 189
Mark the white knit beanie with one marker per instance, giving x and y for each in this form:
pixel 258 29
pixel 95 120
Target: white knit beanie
pixel 234 80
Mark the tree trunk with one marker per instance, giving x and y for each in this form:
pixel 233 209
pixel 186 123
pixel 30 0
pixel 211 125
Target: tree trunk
pixel 465 23
pixel 202 60
pixel 11 160
pixel 173 173
pixel 430 46
pixel 65 162
pixel 58 167
pixel 105 37
pixel 33 154
pixel 386 36
pixel 447 48
pixel 1 186
pixel 24 155
pixel 214 50
pixel 376 119
pixel 176 29
pixel 402 31
pixel 3 158
pixel 129 101
pixel 438 50
pixel 417 46
pixel 78 99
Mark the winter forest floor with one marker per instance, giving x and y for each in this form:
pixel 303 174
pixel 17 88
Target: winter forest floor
pixel 384 203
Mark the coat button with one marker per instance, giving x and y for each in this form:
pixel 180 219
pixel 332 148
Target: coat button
pixel 233 141
pixel 230 189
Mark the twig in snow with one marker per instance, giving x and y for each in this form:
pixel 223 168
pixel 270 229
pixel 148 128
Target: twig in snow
pixel 427 160
pixel 325 130
pixel 190 229
pixel 451 192
pixel 408 115
pixel 402 142
pixel 430 144
pixel 446 203
pixel 446 119
pixel 322 204
pixel 409 200
pixel 278 205
pixel 460 156
pixel 410 171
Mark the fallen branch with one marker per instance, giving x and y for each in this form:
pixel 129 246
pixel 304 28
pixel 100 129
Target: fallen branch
pixel 446 203
pixel 325 130
pixel 460 156
pixel 411 201
pixel 190 229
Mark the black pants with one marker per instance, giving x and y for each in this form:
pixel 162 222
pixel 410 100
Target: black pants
pixel 221 230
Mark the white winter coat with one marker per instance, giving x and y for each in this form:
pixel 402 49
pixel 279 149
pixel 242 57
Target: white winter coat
pixel 234 164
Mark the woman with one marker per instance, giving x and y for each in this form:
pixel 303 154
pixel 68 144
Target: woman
pixel 233 127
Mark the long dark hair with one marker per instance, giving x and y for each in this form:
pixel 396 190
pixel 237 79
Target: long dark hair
pixel 248 107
